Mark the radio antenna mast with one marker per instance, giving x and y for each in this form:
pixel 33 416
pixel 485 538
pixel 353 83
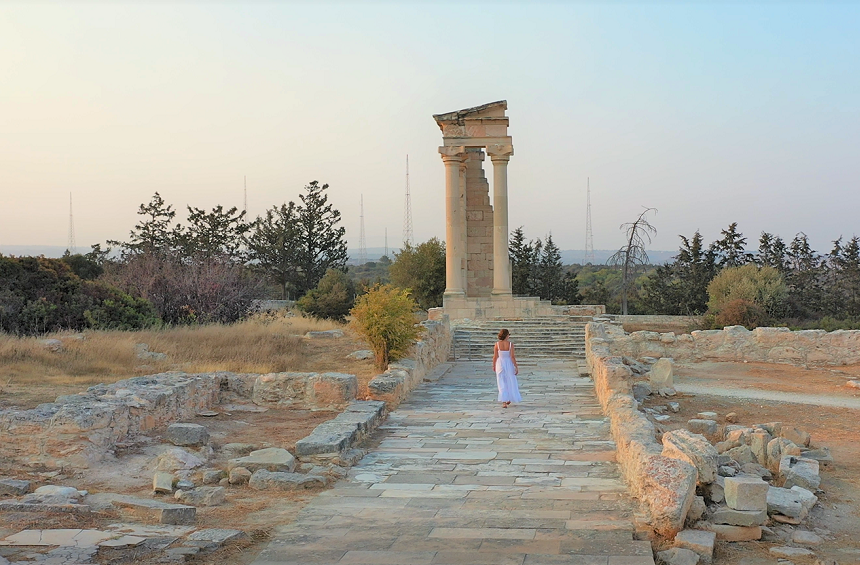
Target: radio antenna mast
pixel 246 194
pixel 362 244
pixel 589 238
pixel 72 247
pixel 407 213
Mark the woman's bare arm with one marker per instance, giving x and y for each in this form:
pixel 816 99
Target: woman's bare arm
pixel 514 359
pixel 495 355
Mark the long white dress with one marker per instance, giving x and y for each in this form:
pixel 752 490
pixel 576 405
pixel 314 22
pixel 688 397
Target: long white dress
pixel 506 378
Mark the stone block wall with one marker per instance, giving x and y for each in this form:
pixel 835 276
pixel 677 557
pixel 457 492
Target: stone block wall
pixel 662 324
pixel 479 227
pixel 736 343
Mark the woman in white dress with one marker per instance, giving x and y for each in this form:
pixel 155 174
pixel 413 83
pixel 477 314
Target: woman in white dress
pixel 505 365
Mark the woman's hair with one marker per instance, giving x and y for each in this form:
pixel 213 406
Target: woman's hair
pixel 504 334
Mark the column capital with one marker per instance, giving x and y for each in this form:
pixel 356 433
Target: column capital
pixel 500 152
pixel 452 152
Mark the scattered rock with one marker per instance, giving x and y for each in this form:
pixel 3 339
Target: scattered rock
pixel 699 541
pixel 187 434
pixel 234 450
pixel 177 459
pixel 662 373
pixel 693 448
pixel 157 511
pixel 800 471
pixel 707 415
pixel 185 484
pixel 757 470
pixel 162 483
pixel 731 417
pixel 263 480
pixel 821 454
pixel 239 476
pixel 784 501
pixel 789 552
pixel 274 459
pixel 641 390
pixel 216 535
pixel 804 537
pixel 853 384
pixel 213 476
pixel 796 436
pixel 666 391
pixel 361 354
pixel 742 454
pixel 697 509
pixel 727 532
pixel 202 496
pixel 678 556
pixel 328 334
pixel 674 406
pixel 14 487
pixel 746 493
pixel 54 345
pixel 707 428
pixel 777 448
pixel 142 351
pixel 716 490
pixel 727 471
pixel 729 516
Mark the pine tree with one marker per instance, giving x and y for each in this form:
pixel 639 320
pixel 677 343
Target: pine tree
pixel 732 248
pixel 550 271
pixel 273 247
pixel 321 242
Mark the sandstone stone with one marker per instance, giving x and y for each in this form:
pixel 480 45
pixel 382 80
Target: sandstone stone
pixel 14 487
pixel 796 436
pixel 800 471
pixel 264 480
pixel 853 384
pixel 738 435
pixel 239 476
pixel 662 373
pixel 274 459
pixel 757 470
pixel 742 454
pixel 177 459
pixel 727 532
pixel 162 483
pixel 746 493
pixel 773 428
pixel 727 471
pixel 184 484
pixel 723 446
pixel 776 449
pixel 693 448
pixel 213 476
pixel 202 496
pixel 157 511
pixel 331 389
pixel 697 509
pixel 726 515
pixel 821 454
pixel 707 428
pixel 804 537
pixel 280 388
pixel 716 490
pixel 234 450
pixel 784 501
pixel 699 541
pixel 790 552
pixel 807 499
pixel 758 445
pixel 731 417
pixel 678 556
pixel 707 415
pixel 668 488
pixel 187 434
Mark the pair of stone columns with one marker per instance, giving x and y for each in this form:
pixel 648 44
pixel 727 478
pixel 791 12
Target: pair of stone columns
pixel 455 158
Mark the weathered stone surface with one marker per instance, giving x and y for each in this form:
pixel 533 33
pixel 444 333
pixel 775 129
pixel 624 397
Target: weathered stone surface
pixel 784 501
pixel 157 511
pixel 662 373
pixel 727 532
pixel 273 459
pixel 668 486
pixel 162 483
pixel 804 537
pixel 756 470
pixel 758 445
pixel 693 448
pixel 217 535
pixel 14 487
pixel 142 352
pixel 212 476
pixel 707 428
pixel 800 471
pixel 235 450
pixel 202 496
pixel 716 490
pixel 176 459
pixel 742 454
pixel 327 334
pixel 280 388
pixel 776 449
pixel 746 493
pixel 344 431
pixel 187 434
pixel 821 454
pixel 361 354
pixel 641 390
pixel 699 541
pixel 43 507
pixel 331 389
pixel 674 406
pixel 239 476
pixel 796 436
pixel 264 480
pixel 697 510
pixel 678 556
pixel 731 417
pixel 726 515
pixel 789 552
pixel 807 499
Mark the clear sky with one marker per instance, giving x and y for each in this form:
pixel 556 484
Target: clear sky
pixel 710 113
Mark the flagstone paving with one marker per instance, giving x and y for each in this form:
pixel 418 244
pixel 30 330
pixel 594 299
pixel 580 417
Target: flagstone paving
pixel 456 479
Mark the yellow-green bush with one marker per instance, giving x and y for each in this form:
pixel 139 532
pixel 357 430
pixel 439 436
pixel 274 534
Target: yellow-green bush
pixel 749 293
pixel 384 317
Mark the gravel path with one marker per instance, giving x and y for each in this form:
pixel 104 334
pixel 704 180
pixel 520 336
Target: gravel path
pixel 771 395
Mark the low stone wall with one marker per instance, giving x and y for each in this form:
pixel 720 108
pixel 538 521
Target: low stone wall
pixel 403 376
pixel 736 343
pixel 662 324
pixel 665 486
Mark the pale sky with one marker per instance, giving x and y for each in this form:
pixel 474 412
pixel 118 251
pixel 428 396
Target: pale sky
pixel 710 113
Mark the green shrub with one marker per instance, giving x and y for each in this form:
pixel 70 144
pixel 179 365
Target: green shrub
pixel 332 299
pixel 385 318
pixel 762 287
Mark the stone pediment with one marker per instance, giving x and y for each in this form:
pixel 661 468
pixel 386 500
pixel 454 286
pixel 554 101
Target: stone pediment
pixel 481 126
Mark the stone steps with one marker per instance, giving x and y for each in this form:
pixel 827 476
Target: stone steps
pixel 536 339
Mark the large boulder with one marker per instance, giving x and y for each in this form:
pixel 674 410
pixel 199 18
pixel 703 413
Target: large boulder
pixel 694 449
pixel 800 471
pixel 662 373
pixel 668 487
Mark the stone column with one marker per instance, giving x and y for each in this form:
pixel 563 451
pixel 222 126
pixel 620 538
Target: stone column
pixel 455 218
pixel 500 155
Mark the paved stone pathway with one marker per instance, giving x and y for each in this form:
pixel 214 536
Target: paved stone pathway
pixel 457 479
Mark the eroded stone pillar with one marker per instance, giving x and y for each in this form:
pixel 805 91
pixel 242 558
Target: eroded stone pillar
pixel 500 155
pixel 455 218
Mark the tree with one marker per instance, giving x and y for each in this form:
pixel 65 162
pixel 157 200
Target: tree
pixel 154 233
pixel 550 271
pixel 569 290
pixel 273 247
pixel 321 243
pixel 421 269
pixel 218 233
pixel 763 287
pixel 521 254
pixel 844 284
pixel 332 299
pixel 772 252
pixel 385 318
pixel 804 278
pixel 632 254
pixel 732 248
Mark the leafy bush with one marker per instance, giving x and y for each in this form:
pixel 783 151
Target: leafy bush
pixel 39 295
pixel 740 312
pixel 332 299
pixel 421 269
pixel 763 287
pixel 384 318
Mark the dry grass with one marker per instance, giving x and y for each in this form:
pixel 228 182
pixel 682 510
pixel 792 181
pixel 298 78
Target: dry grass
pixel 262 344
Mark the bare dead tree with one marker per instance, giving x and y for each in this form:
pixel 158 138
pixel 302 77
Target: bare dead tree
pixel 633 254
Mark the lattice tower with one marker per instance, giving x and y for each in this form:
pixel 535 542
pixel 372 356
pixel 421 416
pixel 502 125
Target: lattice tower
pixel 407 213
pixel 386 242
pixel 589 238
pixel 362 244
pixel 72 246
pixel 245 204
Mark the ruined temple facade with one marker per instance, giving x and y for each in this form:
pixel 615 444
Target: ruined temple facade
pixel 478 268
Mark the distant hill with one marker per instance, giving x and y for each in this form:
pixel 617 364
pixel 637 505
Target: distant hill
pixel 52 251
pixel 568 256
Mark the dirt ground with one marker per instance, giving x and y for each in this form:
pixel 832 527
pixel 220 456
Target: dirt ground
pixel 836 517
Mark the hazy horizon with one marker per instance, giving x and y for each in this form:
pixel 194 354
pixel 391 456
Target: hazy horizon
pixel 710 113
